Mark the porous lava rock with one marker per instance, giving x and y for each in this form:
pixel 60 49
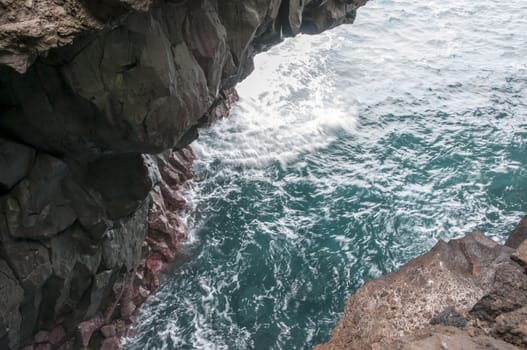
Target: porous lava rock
pixel 469 293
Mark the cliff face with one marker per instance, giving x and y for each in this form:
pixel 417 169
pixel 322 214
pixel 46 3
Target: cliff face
pixel 98 100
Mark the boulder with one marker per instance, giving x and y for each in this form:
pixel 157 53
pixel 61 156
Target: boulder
pixel 36 207
pixel 518 235
pixel 124 181
pixel 520 254
pixel 456 274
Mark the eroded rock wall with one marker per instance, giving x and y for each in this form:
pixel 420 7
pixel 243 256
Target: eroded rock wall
pixel 98 101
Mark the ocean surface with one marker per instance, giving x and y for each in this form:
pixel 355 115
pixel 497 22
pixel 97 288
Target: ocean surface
pixel 349 153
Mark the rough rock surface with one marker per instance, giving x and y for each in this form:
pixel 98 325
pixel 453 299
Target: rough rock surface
pixel 98 102
pixel 469 293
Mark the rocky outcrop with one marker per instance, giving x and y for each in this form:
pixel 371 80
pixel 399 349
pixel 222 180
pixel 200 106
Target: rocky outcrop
pixel 469 293
pixel 98 101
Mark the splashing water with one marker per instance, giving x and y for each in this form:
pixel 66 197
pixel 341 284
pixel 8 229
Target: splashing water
pixel 348 154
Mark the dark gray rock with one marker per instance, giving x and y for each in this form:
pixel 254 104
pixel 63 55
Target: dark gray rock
pixel 206 37
pixel 449 317
pixel 11 295
pixel 323 15
pixel 75 260
pixel 292 12
pixel 30 261
pixel 123 245
pixel 89 207
pixel 99 292
pixel 509 293
pixel 29 28
pixel 511 327
pixel 37 207
pixel 15 161
pixel 142 84
pixel 31 265
pixel 124 181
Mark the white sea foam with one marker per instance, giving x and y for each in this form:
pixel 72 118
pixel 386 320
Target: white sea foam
pixel 303 112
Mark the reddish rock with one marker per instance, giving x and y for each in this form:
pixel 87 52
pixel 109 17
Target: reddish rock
pixel 127 309
pixel 173 199
pixel 401 303
pixel 143 292
pixel 87 328
pixel 108 331
pixel 111 344
pixel 162 248
pixel 120 328
pixel 520 254
pixel 155 264
pixel 518 235
pixel 56 335
pixel 181 164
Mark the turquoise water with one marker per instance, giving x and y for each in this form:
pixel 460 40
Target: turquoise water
pixel 348 154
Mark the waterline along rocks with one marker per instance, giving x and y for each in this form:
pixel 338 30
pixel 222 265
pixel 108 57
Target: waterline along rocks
pixel 98 102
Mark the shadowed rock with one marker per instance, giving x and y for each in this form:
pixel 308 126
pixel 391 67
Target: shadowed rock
pixel 15 162
pixel 37 207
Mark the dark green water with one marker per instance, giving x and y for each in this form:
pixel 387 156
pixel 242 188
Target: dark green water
pixel 349 154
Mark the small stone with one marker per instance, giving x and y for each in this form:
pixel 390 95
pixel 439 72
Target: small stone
pixel 154 264
pixel 108 331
